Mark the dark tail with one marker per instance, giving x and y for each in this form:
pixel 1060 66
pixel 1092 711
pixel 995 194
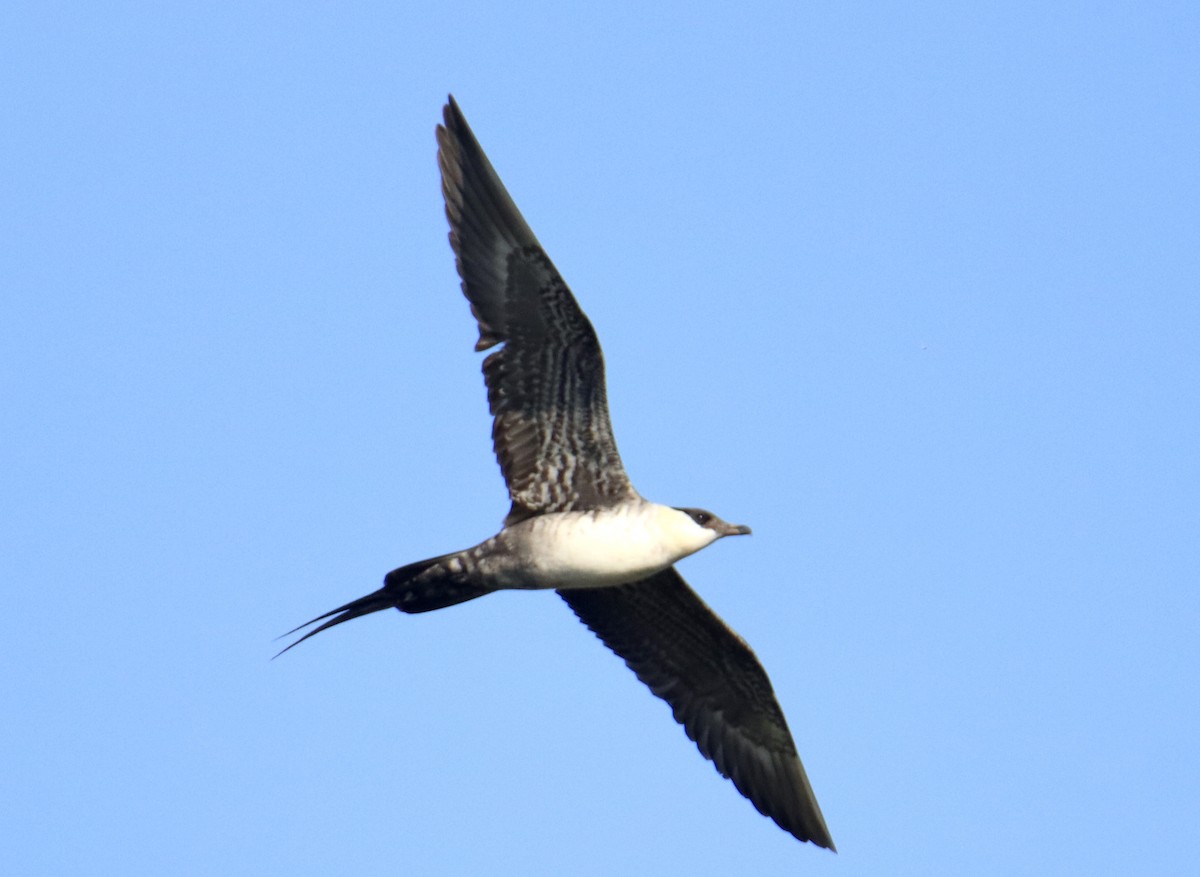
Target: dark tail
pixel 419 587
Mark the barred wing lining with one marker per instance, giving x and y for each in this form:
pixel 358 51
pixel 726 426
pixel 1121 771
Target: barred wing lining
pixel 551 433
pixel 716 687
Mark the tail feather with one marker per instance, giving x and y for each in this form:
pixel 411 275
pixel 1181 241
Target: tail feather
pixel 431 584
pixel 418 587
pixel 380 599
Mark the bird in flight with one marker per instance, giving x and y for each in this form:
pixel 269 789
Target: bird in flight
pixel 577 525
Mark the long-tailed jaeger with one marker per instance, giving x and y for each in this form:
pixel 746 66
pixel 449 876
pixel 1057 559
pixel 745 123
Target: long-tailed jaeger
pixel 577 525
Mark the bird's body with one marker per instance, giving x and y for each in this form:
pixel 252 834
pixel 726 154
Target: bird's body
pixel 567 550
pixel 576 524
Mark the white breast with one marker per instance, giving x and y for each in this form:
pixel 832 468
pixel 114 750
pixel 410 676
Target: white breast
pixel 610 547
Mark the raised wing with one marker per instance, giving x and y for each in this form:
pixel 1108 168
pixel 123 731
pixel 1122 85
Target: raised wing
pixel 716 687
pixel 551 431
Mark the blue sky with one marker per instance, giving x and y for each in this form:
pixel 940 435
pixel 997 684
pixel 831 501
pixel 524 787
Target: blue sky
pixel 912 291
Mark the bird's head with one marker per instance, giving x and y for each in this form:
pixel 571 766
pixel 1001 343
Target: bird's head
pixel 697 528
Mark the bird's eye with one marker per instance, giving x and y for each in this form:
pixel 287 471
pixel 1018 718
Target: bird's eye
pixel 701 518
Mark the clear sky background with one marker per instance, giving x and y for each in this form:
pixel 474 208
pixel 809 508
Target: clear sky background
pixel 912 289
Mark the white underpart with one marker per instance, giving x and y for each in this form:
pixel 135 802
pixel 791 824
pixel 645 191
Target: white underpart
pixel 612 546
